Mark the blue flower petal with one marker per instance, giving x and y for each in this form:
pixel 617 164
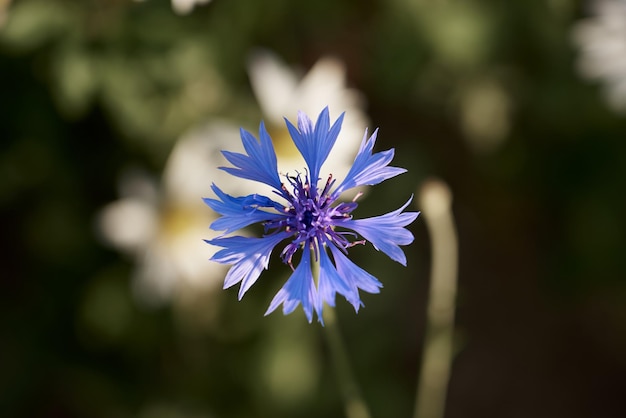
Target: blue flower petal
pixel 330 283
pixel 239 212
pixel 249 256
pixel 355 276
pixel 315 143
pixel 385 232
pixel 260 162
pixel 369 168
pixel 299 289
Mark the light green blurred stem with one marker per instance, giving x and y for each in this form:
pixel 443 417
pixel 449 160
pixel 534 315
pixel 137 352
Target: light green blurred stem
pixel 435 199
pixel 354 405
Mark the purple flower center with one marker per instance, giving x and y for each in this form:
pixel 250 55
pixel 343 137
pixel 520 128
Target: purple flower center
pixel 311 217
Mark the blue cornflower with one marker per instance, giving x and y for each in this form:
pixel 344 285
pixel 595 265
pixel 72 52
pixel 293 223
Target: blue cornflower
pixel 308 218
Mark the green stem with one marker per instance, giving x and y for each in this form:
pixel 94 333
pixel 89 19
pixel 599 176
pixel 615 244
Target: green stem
pixel 354 404
pixel 437 357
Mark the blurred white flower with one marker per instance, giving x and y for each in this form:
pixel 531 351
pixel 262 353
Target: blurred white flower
pixel 601 39
pixel 182 7
pixel 281 94
pixel 186 6
pixel 163 227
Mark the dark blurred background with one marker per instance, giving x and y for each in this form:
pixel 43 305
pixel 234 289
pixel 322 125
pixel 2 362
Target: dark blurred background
pixel 517 105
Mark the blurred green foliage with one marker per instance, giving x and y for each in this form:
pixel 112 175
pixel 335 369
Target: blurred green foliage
pixel 481 93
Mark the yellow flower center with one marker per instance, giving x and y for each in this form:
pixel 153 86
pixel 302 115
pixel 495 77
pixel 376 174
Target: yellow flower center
pixel 283 144
pixel 176 219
